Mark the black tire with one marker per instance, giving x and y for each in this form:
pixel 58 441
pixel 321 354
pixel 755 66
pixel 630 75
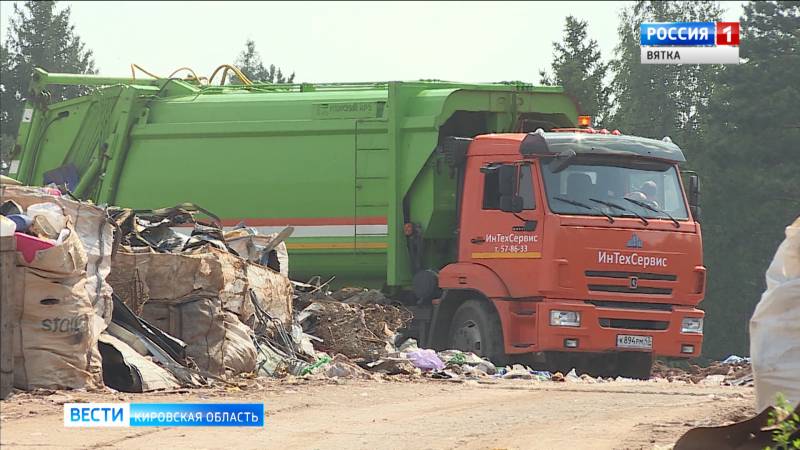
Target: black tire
pixel 637 365
pixel 476 328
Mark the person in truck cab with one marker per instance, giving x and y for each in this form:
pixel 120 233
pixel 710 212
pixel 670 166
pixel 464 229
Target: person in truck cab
pixel 646 193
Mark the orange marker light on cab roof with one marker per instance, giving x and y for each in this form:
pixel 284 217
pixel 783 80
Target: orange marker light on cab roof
pixel 584 121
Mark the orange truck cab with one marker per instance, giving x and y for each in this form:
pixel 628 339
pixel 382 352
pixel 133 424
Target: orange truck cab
pixel 585 245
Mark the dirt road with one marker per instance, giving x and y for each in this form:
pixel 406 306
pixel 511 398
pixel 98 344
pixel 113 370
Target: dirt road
pixel 509 414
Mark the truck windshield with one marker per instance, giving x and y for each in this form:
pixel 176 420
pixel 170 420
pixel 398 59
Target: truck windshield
pixel 604 183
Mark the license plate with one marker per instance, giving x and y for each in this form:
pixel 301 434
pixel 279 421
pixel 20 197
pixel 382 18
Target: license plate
pixel 631 341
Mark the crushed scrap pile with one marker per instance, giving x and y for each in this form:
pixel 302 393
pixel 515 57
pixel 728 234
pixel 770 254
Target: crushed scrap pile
pixel 197 287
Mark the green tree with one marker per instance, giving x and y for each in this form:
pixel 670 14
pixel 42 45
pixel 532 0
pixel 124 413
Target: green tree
pixel 6 140
pixel 250 63
pixel 39 35
pixel 657 100
pixel 751 167
pixel 579 68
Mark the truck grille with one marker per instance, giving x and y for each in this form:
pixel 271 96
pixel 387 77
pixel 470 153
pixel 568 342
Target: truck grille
pixel 631 324
pixel 640 275
pixel 630 288
pixel 632 305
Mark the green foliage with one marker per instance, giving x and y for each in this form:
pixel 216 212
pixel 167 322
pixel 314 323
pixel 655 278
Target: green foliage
pixel 39 36
pixel 578 67
pixel 749 162
pixel 249 62
pixel 657 100
pixel 788 423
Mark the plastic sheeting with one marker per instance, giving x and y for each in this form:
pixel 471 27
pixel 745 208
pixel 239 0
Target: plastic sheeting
pixel 775 326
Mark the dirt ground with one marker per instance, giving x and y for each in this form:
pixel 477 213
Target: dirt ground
pixel 504 414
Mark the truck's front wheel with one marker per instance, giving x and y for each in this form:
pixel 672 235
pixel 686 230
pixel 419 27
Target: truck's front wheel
pixel 476 328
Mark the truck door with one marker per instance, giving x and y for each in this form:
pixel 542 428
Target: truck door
pixel 507 242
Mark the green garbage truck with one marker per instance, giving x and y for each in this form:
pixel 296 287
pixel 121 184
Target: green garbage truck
pixel 510 228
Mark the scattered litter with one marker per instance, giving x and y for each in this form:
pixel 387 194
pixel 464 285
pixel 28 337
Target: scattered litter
pixel 342 367
pixel 517 372
pixel 394 366
pixel 425 360
pixel 736 360
pixel 572 376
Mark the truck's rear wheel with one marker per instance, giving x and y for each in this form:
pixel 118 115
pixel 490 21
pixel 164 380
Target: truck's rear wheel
pixel 476 328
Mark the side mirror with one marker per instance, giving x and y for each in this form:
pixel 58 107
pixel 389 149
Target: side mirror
pixel 694 196
pixel 511 203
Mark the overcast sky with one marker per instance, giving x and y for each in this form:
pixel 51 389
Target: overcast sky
pixel 340 41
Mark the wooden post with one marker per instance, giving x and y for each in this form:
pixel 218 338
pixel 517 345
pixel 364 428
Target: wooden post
pixel 10 278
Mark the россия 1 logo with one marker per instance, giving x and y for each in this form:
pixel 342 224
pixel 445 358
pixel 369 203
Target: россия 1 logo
pixel 689 43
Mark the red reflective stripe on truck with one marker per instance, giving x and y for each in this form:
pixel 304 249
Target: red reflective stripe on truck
pixel 300 221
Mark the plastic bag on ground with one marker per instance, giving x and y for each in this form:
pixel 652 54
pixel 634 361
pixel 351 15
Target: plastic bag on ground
pixel 775 326
pixel 425 360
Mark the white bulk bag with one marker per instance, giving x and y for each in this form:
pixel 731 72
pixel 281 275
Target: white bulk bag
pixel 775 326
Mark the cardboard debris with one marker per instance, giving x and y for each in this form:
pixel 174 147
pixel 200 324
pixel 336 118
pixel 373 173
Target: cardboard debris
pixel 217 340
pixel 167 277
pixel 204 299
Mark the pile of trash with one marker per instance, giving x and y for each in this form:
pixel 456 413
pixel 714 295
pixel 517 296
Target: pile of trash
pixel 354 333
pixel 117 298
pixel 732 371
pixel 359 332
pixel 197 287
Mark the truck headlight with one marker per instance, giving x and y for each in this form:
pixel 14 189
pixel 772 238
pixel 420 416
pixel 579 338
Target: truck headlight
pixel 692 325
pixel 565 318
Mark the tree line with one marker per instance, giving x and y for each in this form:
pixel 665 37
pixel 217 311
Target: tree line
pixel 739 125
